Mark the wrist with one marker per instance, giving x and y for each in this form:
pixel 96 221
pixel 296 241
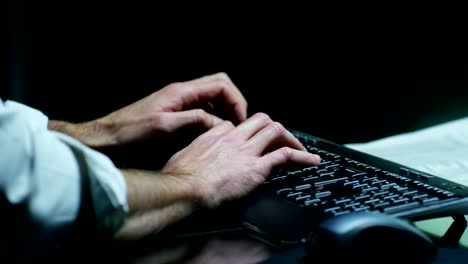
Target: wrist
pixel 98 134
pixel 189 184
pixel 147 190
pixel 185 189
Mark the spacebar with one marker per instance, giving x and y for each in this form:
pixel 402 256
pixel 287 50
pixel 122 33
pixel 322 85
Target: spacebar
pixel 321 183
pixel 401 207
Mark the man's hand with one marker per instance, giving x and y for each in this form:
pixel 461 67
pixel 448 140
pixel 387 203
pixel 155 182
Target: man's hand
pixel 173 108
pixel 227 162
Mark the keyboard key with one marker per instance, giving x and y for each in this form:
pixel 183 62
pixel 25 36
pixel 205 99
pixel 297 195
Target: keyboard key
pixel 400 207
pixel 309 201
pixel 303 187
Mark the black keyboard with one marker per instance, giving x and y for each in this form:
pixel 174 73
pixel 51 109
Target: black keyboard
pixel 340 185
pixel 294 200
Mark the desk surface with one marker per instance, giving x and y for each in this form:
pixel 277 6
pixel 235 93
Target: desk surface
pixel 438 227
pixel 236 246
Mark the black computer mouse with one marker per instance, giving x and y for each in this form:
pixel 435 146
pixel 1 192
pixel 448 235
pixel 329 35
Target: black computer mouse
pixel 371 238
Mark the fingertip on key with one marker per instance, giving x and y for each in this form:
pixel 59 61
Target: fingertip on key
pixel 317 158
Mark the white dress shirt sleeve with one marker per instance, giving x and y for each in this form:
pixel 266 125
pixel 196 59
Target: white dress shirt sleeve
pixel 52 187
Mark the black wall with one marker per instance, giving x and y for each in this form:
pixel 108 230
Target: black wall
pixel 82 60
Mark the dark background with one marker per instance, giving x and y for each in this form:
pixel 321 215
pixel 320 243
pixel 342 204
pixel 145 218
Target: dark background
pixel 80 60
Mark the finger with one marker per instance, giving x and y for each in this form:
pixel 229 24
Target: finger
pixel 251 126
pixel 286 155
pixel 240 108
pixel 219 86
pixel 272 135
pixel 226 99
pixel 177 120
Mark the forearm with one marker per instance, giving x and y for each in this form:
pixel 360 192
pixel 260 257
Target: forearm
pixel 153 221
pixel 155 200
pixel 95 134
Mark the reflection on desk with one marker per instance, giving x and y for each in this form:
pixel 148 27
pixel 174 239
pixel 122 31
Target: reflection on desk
pixel 233 246
pixel 213 250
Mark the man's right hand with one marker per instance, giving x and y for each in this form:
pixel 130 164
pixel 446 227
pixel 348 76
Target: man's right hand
pixel 227 162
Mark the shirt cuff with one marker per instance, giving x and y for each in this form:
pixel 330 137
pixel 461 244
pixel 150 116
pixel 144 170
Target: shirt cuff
pixel 107 185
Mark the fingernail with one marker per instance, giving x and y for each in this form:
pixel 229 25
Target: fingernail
pixel 317 158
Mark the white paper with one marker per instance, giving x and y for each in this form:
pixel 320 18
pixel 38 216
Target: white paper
pixel 441 150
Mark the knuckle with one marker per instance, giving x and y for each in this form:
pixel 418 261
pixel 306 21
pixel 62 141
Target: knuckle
pixel 222 75
pixel 263 116
pixel 228 136
pixel 222 83
pixel 286 152
pixel 228 123
pixel 258 180
pixel 200 115
pixel 261 165
pixel 226 140
pixel 244 103
pixel 277 128
pixel 157 121
pixel 175 86
pixel 155 118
